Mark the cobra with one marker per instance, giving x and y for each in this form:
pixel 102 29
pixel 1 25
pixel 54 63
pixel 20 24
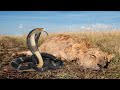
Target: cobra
pixel 32 45
pixel 38 61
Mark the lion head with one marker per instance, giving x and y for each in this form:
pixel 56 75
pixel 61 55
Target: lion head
pixel 95 59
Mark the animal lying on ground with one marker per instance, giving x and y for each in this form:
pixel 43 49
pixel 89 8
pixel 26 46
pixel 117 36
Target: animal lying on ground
pixel 69 48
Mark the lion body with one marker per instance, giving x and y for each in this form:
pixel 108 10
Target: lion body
pixel 71 48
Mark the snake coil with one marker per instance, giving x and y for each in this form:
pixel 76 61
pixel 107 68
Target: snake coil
pixel 38 61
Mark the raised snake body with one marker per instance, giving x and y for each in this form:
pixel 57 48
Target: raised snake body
pixel 38 61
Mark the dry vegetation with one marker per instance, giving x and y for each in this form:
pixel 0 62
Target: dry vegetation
pixel 108 41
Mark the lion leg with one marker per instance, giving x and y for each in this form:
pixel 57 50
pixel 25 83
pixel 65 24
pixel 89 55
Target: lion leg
pixel 27 53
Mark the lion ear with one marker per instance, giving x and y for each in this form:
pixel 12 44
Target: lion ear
pixel 110 56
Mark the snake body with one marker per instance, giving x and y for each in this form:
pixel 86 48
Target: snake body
pixel 33 46
pixel 38 61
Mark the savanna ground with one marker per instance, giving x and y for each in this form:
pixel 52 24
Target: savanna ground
pixel 108 41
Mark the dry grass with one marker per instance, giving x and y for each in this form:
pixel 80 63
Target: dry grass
pixel 108 41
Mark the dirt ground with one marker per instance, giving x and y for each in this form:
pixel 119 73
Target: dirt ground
pixel 10 45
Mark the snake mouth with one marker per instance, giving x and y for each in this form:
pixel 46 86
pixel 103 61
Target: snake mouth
pixel 46 32
pixel 32 42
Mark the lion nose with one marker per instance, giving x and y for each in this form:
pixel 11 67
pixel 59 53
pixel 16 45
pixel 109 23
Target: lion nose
pixel 102 64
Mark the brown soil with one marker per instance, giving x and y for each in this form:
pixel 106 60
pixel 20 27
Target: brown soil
pixel 10 45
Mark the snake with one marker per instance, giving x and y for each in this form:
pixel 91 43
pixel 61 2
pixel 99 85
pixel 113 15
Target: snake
pixel 38 61
pixel 32 45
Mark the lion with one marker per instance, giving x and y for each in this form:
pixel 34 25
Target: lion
pixel 71 48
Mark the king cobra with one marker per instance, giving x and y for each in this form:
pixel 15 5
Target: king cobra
pixel 38 61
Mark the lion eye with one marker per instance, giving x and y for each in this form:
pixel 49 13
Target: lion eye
pixel 93 56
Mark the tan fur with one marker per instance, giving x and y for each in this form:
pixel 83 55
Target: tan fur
pixel 70 48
